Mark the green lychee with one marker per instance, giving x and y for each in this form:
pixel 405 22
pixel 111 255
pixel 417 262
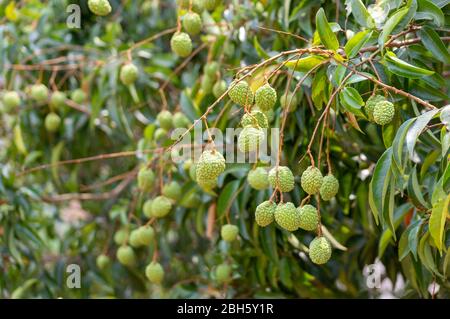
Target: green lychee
pixel 211 4
pixel 329 188
pixel 241 93
pixel 120 236
pixel 147 208
pixel 250 139
pixel 181 44
pixel 290 100
pixel 258 178
pixel 172 190
pixel 134 239
pixel 285 180
pixel 219 88
pixel 39 93
pixel 160 134
pixel 211 69
pixel 58 99
pixel 128 73
pixel 383 113
pixel 319 250
pixel 161 206
pixel 146 179
pixel 146 235
pixel 155 273
pixel 311 180
pixel 192 23
pixel 179 120
pixel 99 7
pixel 207 184
pixel 102 261
pixel 229 232
pixel 370 104
pixel 223 273
pixel 210 165
pixel 52 122
pixel 11 100
pixel 164 119
pixel 78 96
pixel 207 84
pixel 126 256
pixel 309 219
pixel 287 216
pixel 264 214
pixel 255 119
pixel 265 97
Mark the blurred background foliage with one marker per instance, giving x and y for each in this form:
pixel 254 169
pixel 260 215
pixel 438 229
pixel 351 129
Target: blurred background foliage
pixel 67 214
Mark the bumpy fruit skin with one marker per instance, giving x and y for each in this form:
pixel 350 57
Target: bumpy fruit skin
pixel 287 216
pixel 207 184
pixel 146 179
pixel 285 178
pixel 181 44
pixel 223 273
pixel 211 4
pixel 192 23
pixel 383 113
pixel 309 219
pixel 179 120
pixel 146 235
pixel 311 180
pixel 78 96
pixel 255 118
pixel 99 7
pixel 172 190
pixel 241 93
pixel 58 99
pixel 134 239
pixel 207 84
pixel 329 188
pixel 289 99
pixel 126 256
pixel 210 165
pixel 211 69
pixel 128 73
pixel 370 105
pixel 161 206
pixel 265 97
pixel 250 139
pixel 120 236
pixel 11 99
pixel 319 250
pixel 165 120
pixel 102 261
pixel 229 232
pixel 264 214
pixel 52 122
pixel 258 178
pixel 147 208
pixel 155 273
pixel 39 93
pixel 219 88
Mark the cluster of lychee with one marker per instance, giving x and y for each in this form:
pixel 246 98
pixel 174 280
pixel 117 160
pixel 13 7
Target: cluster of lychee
pixel 379 109
pixel 39 93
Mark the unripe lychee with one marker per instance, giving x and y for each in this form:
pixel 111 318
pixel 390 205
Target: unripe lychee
pixel 285 180
pixel 120 236
pixel 256 119
pixel 78 96
pixel 181 44
pixel 264 213
pixel 161 206
pixel 229 232
pixel 160 134
pixel 319 250
pixel 311 180
pixel 165 119
pixel 289 100
pixel 211 69
pixel 211 4
pixel 258 178
pixel 207 184
pixel 210 165
pixel 383 113
pixel 241 93
pixel 134 239
pixel 192 23
pixel 155 273
pixel 102 261
pixel 58 99
pixel 39 93
pixel 219 88
pixel 126 256
pixel 329 188
pixel 99 7
pixel 309 219
pixel 193 172
pixel 198 5
pixel 265 97
pixel 223 273
pixel 52 122
pixel 370 104
pixel 11 99
pixel 146 179
pixel 250 139
pixel 172 190
pixel 128 73
pixel 179 120
pixel 287 216
pixel 207 84
pixel 147 208
pixel 146 235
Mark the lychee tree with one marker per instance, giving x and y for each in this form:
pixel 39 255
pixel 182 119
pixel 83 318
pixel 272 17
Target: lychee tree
pixel 90 122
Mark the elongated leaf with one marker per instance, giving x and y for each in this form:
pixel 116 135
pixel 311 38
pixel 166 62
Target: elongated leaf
pixel 379 184
pixel 413 237
pixel 437 221
pixel 414 191
pixel 390 24
pixel 356 43
pixel 427 10
pixel 433 42
pixel 352 101
pixel 327 37
pixel 402 68
pixel 226 196
pixel 416 129
pixel 305 64
pixel 359 11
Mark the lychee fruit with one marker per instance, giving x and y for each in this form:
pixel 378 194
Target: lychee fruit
pixel 192 23
pixel 250 139
pixel 258 178
pixel 264 214
pixel 241 93
pixel 311 180
pixel 284 180
pixel 229 232
pixel 154 272
pixel 287 216
pixel 161 206
pixel 99 7
pixel 181 44
pixel 383 113
pixel 265 97
pixel 319 250
pixel 309 219
pixel 329 188
pixel 128 73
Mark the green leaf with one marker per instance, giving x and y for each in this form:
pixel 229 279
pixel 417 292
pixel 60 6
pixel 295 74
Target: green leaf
pixel 327 37
pixel 379 184
pixel 352 101
pixel 404 69
pixel 413 236
pixel 356 43
pixel 415 130
pixel 390 24
pixel 434 44
pixel 226 196
pixel 414 191
pixel 305 64
pixel 437 221
pixel 259 49
pixel 427 10
pixel 359 11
